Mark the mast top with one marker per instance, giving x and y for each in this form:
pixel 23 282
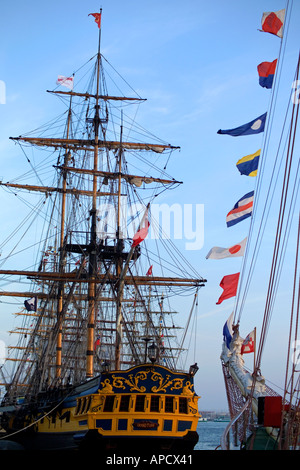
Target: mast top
pixel 97 17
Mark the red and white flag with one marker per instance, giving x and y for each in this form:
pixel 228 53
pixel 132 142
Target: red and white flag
pixel 218 252
pixel 248 344
pixel 272 22
pixel 65 81
pixel 142 232
pixel 97 17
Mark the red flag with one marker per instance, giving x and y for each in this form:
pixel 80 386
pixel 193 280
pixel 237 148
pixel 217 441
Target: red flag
pixel 97 342
pixel 248 344
pixel 149 272
pixel 229 284
pixel 97 17
pixel 272 22
pixel 142 232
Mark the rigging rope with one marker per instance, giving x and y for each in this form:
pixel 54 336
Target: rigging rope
pixel 282 211
pixel 262 162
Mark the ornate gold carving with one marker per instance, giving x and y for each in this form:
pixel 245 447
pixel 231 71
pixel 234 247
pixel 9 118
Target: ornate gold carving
pixel 132 381
pixel 192 401
pixel 97 407
pixel 187 389
pixel 165 383
pixel 106 387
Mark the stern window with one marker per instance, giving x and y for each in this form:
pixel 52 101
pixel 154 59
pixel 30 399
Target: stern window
pixel 154 405
pixel 140 403
pixel 109 403
pixel 183 405
pixel 169 404
pixel 124 405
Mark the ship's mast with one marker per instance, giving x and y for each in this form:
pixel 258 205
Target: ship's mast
pixel 93 251
pixel 62 253
pixel 119 260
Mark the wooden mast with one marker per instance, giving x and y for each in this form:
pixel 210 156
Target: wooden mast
pixel 119 261
pixel 62 257
pixel 93 255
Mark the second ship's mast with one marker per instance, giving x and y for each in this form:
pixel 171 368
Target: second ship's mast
pixel 62 254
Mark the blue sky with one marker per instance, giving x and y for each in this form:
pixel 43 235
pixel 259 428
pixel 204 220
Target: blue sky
pixel 195 62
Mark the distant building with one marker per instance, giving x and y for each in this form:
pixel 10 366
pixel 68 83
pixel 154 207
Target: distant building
pixel 215 415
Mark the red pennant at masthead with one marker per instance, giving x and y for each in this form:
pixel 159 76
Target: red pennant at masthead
pixel 97 17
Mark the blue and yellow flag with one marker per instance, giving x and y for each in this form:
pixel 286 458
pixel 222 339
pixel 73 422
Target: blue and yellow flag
pixel 248 165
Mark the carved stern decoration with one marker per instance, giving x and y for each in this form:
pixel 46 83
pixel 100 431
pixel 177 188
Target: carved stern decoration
pixel 145 401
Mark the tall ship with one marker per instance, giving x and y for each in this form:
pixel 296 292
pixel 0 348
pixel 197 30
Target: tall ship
pixel 265 416
pixel 99 360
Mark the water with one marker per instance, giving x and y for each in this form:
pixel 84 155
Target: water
pixel 210 433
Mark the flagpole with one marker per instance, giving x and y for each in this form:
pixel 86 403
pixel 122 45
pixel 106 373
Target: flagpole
pixel 99 55
pixel 99 41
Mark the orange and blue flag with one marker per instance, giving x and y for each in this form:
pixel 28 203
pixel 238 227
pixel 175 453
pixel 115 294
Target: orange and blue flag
pixel 266 72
